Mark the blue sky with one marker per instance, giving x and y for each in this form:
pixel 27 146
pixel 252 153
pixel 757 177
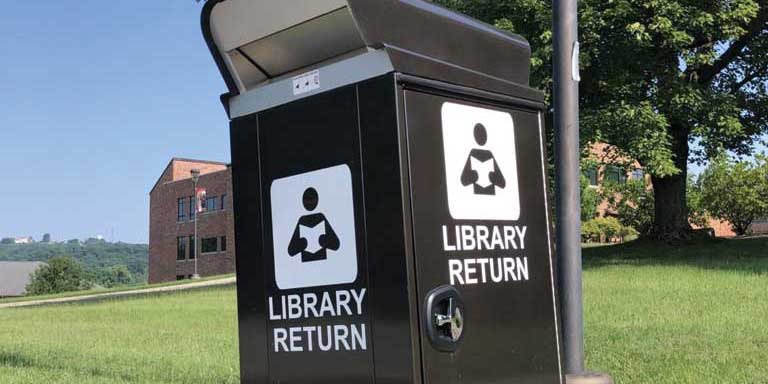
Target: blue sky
pixel 97 96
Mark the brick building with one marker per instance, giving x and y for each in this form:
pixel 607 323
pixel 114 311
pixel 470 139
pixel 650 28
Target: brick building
pixel 171 222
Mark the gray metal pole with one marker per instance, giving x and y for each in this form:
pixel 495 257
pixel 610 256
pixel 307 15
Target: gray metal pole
pixel 197 255
pixel 566 98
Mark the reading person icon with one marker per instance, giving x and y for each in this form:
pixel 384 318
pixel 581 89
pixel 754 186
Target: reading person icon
pixel 481 168
pixel 313 234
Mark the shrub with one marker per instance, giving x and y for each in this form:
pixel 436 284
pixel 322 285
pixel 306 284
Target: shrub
pixel 605 229
pixel 627 232
pixel 697 215
pixel 590 231
pixel 736 191
pixel 590 200
pixel 114 276
pixel 62 274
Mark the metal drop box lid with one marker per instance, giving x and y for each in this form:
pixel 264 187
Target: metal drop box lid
pixel 257 43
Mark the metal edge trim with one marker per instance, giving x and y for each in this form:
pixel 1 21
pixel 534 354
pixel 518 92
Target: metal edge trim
pixel 443 86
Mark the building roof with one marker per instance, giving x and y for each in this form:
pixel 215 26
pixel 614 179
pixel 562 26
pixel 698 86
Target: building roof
pixel 207 166
pixel 198 161
pixel 15 275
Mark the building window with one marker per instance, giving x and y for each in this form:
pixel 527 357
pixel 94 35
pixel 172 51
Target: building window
pixel 591 174
pixel 182 209
pixel 638 174
pixel 223 201
pixel 614 174
pixel 191 207
pixel 209 245
pixel 223 244
pixel 211 204
pixel 181 248
pixel 192 250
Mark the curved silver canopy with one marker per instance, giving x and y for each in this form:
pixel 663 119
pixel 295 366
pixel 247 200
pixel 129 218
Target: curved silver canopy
pixel 257 41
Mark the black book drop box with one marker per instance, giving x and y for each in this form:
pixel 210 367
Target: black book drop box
pixel 389 177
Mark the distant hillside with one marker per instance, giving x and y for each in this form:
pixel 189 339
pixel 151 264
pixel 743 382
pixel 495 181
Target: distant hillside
pixel 93 254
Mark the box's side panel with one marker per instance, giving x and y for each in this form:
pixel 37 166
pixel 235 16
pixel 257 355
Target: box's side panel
pixel 480 226
pixel 387 219
pixel 246 189
pixel 316 282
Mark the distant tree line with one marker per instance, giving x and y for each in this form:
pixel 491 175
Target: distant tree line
pixel 96 257
pixel 65 274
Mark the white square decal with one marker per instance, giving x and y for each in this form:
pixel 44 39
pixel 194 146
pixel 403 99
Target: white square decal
pixel 480 163
pixel 313 229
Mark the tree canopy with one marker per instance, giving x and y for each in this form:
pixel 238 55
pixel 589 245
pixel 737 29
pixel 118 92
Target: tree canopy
pixel 666 81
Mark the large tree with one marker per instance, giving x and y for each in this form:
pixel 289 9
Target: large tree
pixel 667 81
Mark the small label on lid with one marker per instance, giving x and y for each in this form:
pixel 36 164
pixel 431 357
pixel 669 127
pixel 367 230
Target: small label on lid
pixel 306 82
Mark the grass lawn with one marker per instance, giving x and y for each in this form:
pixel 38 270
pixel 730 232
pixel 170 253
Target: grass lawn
pixel 653 314
pixel 184 337
pixel 693 314
pixel 96 291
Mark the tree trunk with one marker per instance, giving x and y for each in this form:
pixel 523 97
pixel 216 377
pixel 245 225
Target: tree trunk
pixel 740 227
pixel 671 222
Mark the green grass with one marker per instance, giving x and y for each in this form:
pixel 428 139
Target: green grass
pixel 653 314
pixel 97 291
pixel 184 337
pixel 692 314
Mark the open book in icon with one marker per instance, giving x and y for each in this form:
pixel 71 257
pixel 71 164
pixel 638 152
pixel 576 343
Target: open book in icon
pixel 312 235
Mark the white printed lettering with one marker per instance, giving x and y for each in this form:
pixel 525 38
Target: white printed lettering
pixel 454 269
pixel 446 246
pixel 500 269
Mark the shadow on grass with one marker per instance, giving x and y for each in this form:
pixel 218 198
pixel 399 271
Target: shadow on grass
pixel 15 360
pixel 748 255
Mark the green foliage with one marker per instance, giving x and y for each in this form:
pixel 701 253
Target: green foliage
pixel 590 232
pixel 590 197
pixel 590 200
pixel 94 255
pixel 114 276
pixel 62 274
pixel 697 214
pixel 627 232
pixel 633 203
pixel 46 238
pixel 604 229
pixel 736 191
pixel 8 240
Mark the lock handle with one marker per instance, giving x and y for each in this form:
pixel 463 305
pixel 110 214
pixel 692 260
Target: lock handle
pixel 444 318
